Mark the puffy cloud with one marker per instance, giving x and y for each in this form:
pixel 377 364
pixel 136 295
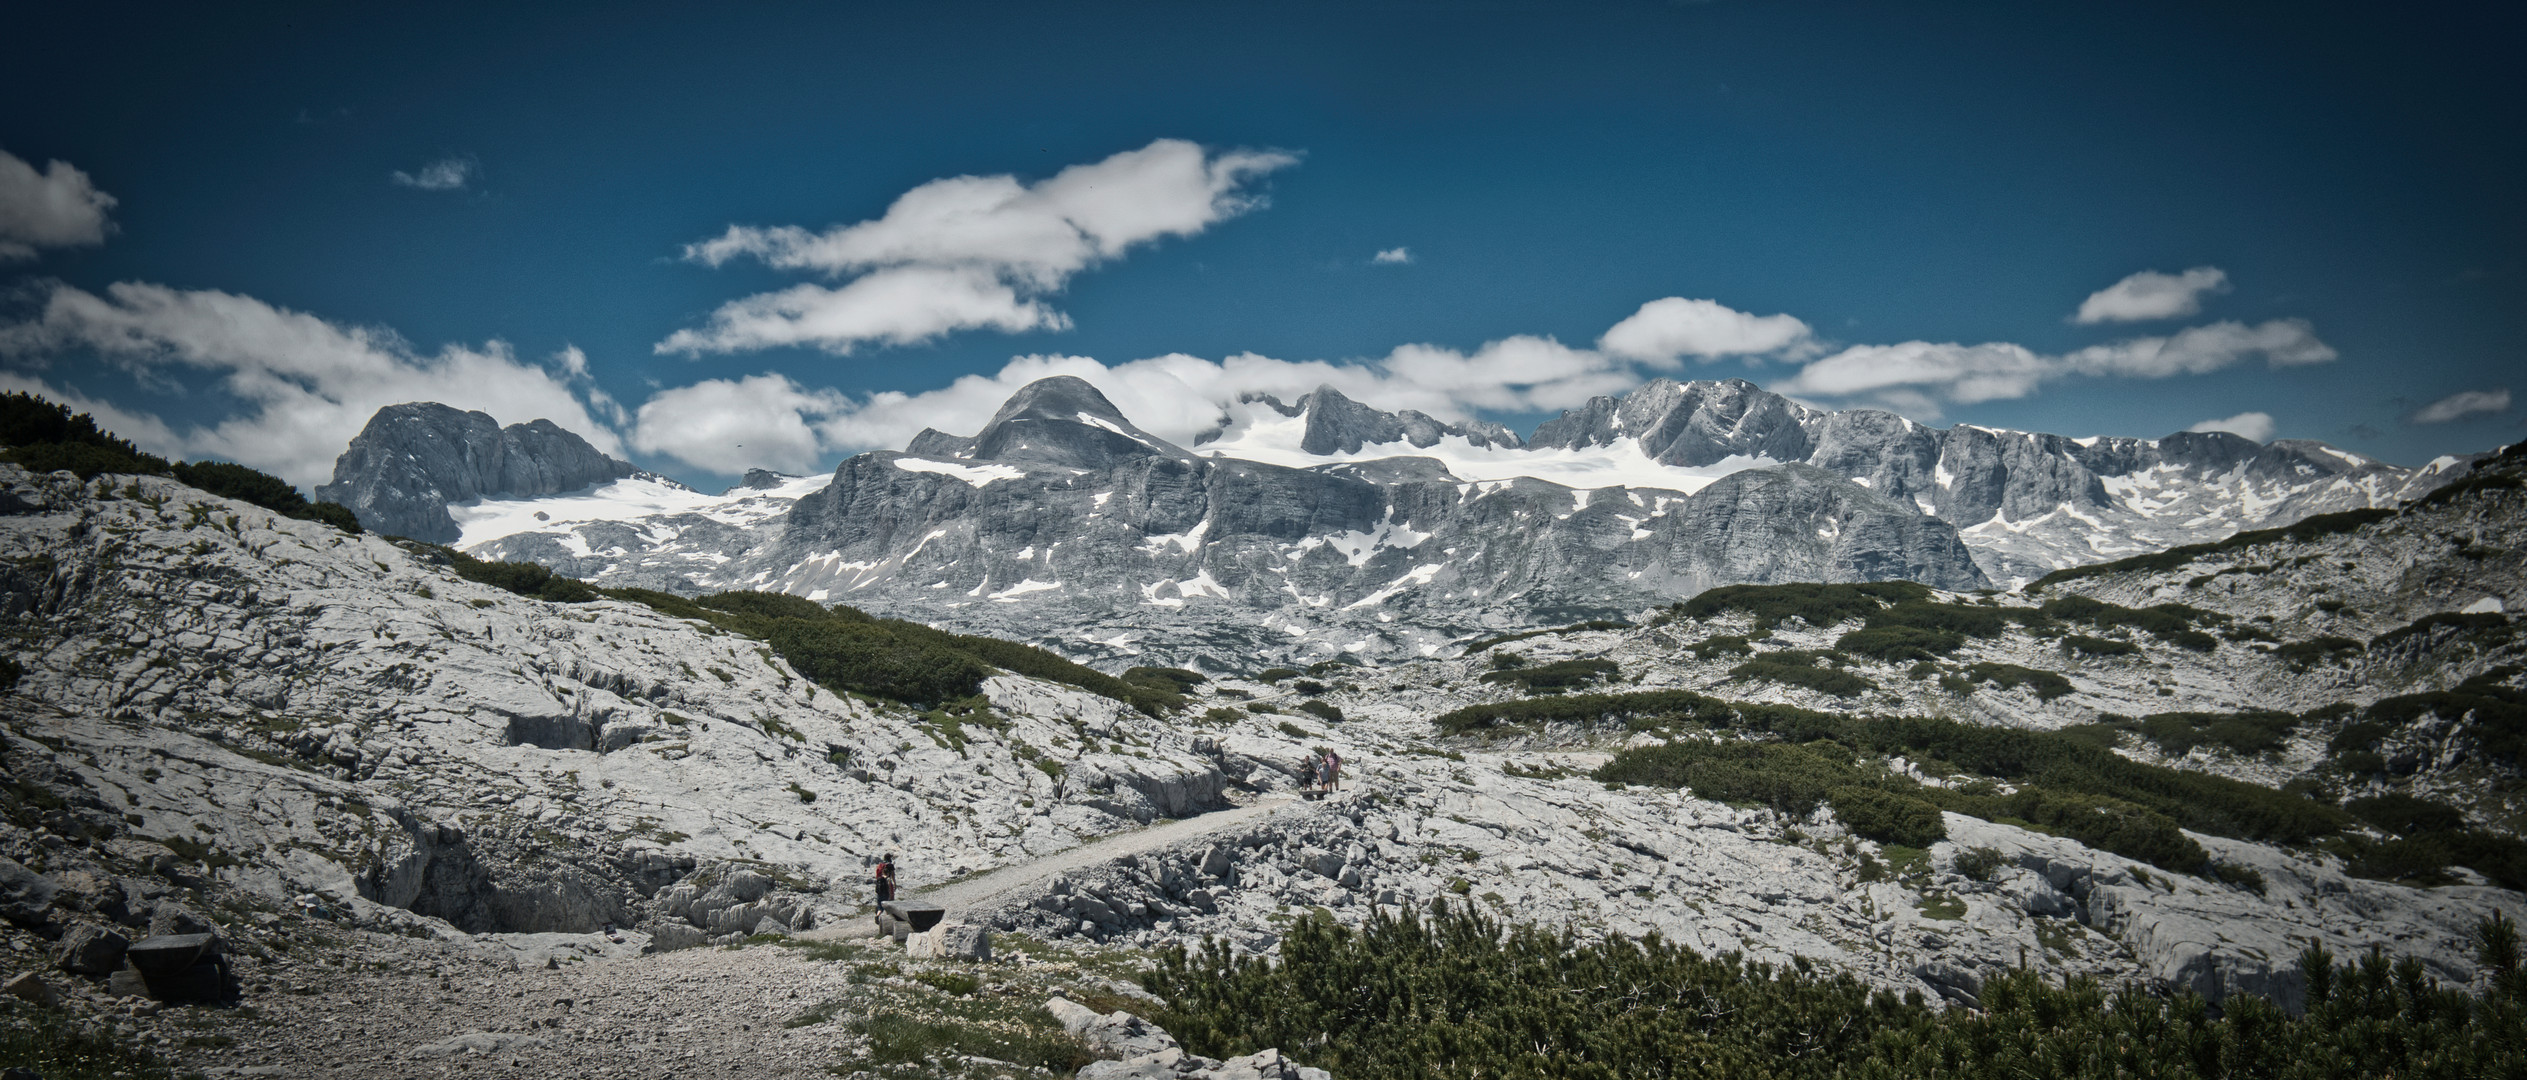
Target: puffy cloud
pixel 2197 350
pixel 445 174
pixel 1394 255
pixel 58 207
pixel 2463 404
pixel 1664 331
pixel 306 386
pixel 972 251
pixel 1928 372
pixel 1176 397
pixel 897 306
pixel 2152 295
pixel 2253 425
pixel 731 425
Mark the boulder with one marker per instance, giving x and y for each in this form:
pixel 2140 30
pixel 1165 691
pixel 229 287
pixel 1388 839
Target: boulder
pixel 29 986
pixel 950 941
pixel 26 897
pixel 171 919
pixel 1118 1034
pixel 671 936
pixel 90 950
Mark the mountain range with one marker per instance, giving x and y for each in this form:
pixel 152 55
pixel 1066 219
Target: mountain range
pixel 1321 527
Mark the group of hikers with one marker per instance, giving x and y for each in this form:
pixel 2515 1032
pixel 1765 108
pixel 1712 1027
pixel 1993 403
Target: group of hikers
pixel 1322 771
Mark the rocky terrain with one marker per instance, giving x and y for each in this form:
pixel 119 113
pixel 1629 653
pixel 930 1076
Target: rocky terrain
pixel 384 783
pixel 1326 527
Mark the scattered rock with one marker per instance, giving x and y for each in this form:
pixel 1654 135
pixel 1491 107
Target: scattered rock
pixel 90 950
pixel 477 1042
pixel 26 897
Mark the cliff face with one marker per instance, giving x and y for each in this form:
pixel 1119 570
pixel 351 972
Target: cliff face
pixel 412 460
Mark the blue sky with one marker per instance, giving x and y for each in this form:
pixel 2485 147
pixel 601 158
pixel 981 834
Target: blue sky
pixel 318 210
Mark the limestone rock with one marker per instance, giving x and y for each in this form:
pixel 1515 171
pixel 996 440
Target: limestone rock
pixel 29 986
pixel 88 949
pixel 1117 1034
pixel 950 941
pixel 26 897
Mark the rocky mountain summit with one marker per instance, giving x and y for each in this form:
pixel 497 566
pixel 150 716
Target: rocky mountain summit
pixel 1326 527
pixel 401 472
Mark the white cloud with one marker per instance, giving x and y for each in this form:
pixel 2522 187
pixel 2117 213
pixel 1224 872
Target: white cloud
pixel 2152 295
pixel 2255 426
pixel 730 425
pixel 1928 372
pixel 972 251
pixel 57 207
pixel 897 306
pixel 1176 397
pixel 1395 255
pixel 445 174
pixel 1664 331
pixel 306 386
pixel 2463 404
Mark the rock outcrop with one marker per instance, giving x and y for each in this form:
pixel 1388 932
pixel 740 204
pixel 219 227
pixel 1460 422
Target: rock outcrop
pixel 411 461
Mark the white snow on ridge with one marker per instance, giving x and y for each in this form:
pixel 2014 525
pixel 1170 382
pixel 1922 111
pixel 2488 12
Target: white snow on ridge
pixel 977 475
pixel 481 521
pixel 1263 435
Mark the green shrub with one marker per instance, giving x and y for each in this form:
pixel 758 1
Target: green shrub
pixel 1398 996
pixel 2255 731
pixel 47 437
pixel 1817 605
pixel 1722 645
pixel 1326 711
pixel 2048 685
pixel 1980 863
pixel 1275 674
pixel 1794 668
pixel 1888 817
pixel 1794 780
pixel 1895 644
pixel 2301 655
pixel 1558 675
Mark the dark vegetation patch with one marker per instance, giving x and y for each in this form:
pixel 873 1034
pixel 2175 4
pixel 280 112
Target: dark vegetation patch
pixel 1390 1000
pixel 2070 783
pixel 2323 649
pixel 842 648
pixel 1555 677
pixel 2255 731
pixel 1323 710
pixel 47 437
pixel 1796 667
pixel 2046 684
